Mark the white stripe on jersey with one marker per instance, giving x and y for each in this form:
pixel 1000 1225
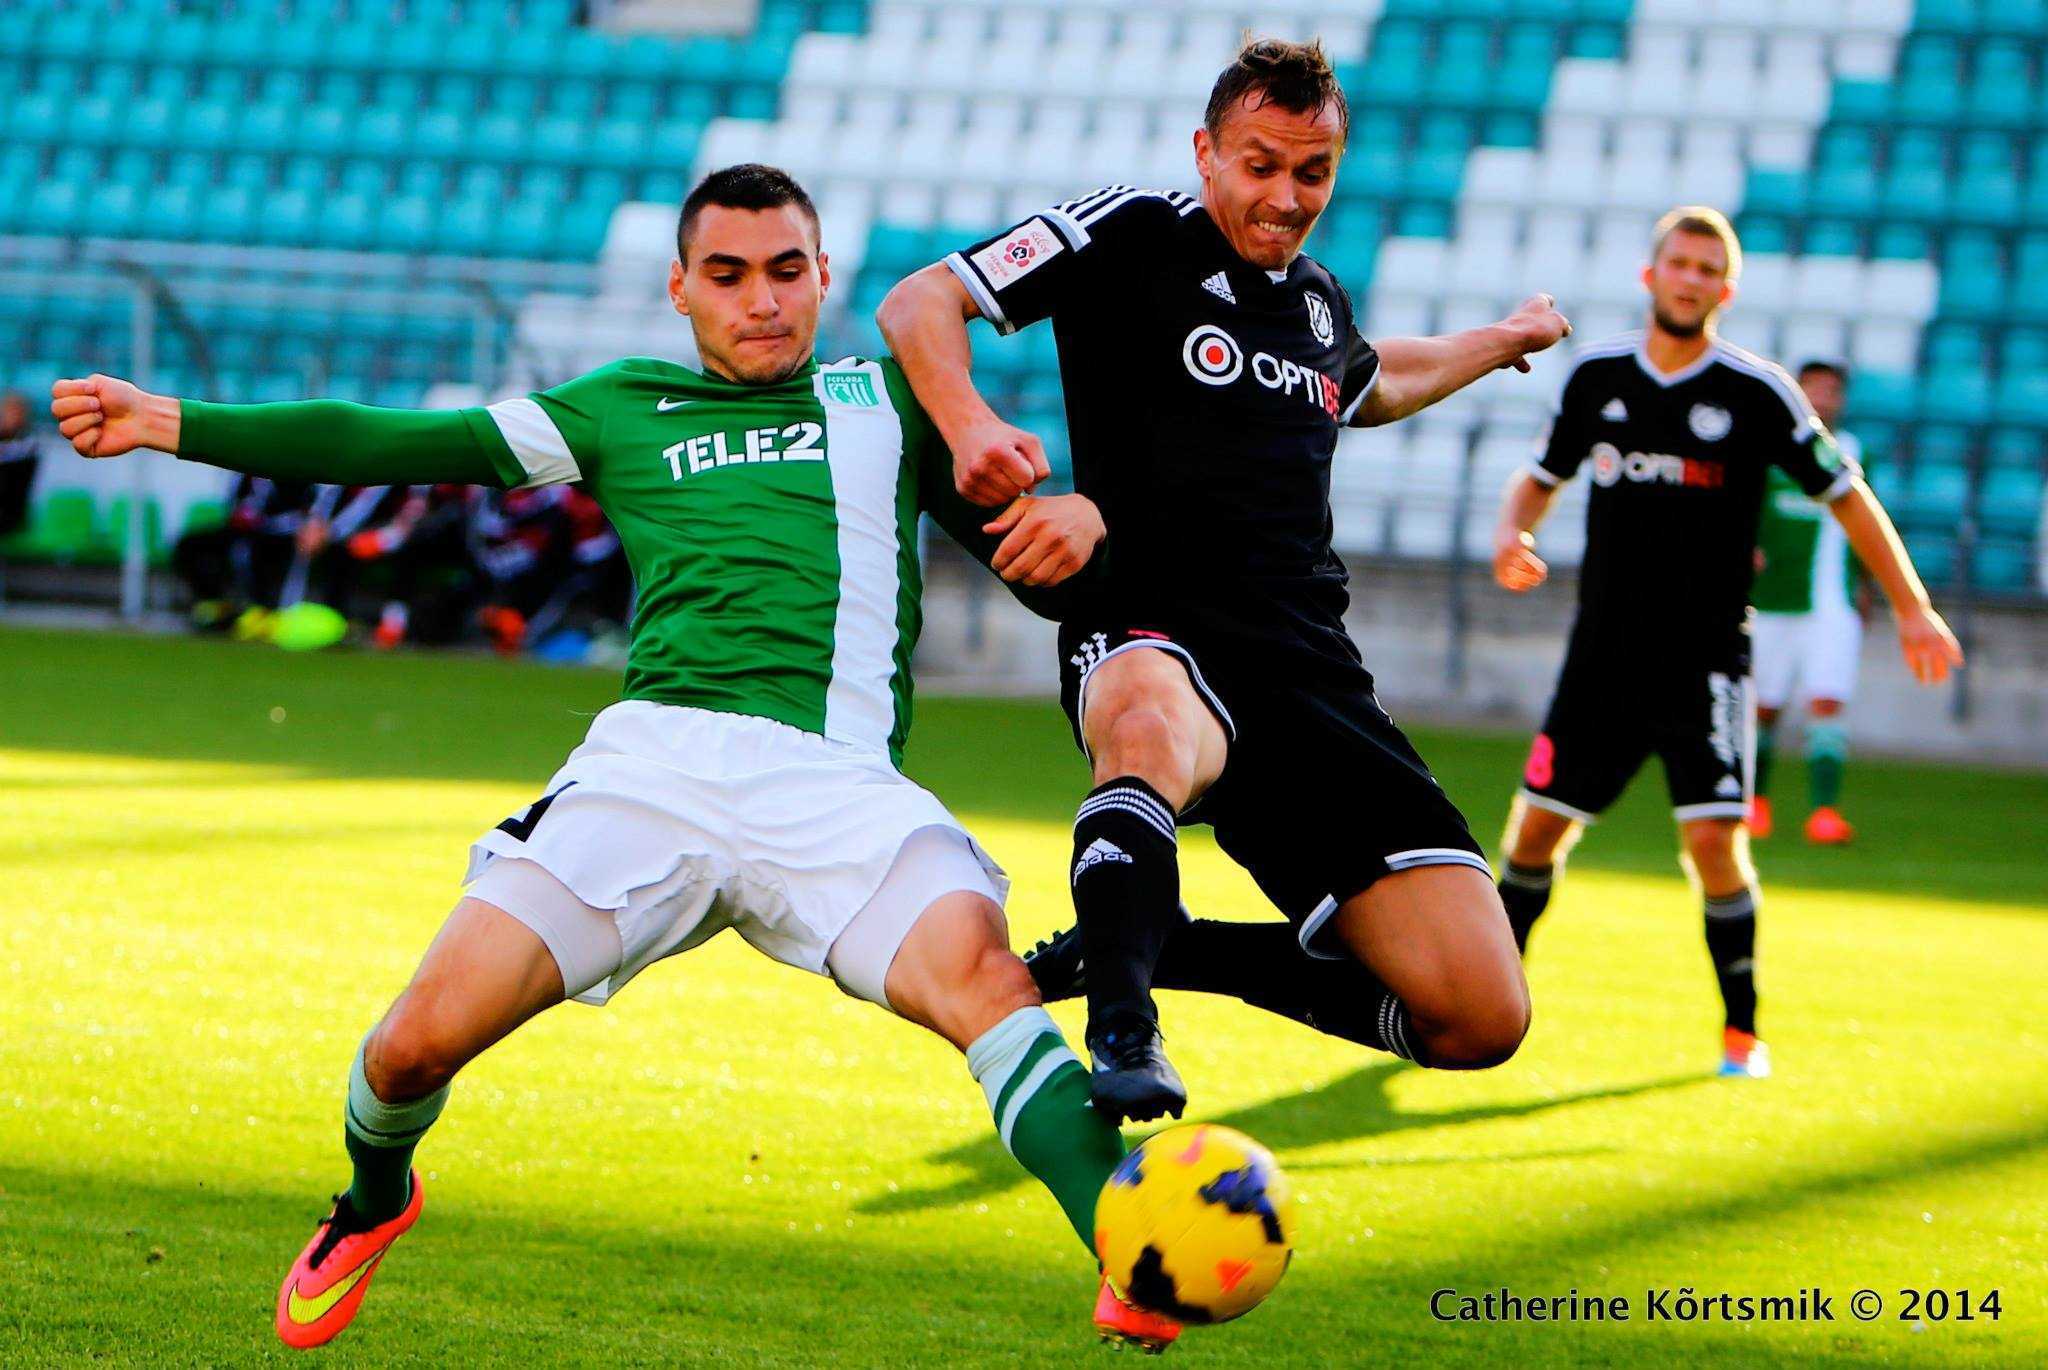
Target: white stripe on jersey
pixel 1750 364
pixel 543 453
pixel 864 446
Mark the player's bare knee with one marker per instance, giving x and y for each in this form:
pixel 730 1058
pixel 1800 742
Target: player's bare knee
pixel 410 1055
pixel 1001 983
pixel 1717 855
pixel 1146 741
pixel 1487 1030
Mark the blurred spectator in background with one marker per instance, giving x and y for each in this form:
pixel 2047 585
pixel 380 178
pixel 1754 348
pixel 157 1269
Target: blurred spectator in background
pixel 521 543
pixel 417 555
pixel 18 460
pixel 235 573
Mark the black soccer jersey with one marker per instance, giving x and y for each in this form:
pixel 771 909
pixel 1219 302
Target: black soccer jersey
pixel 1678 465
pixel 1204 397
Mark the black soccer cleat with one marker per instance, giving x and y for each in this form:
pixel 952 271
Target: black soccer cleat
pixel 1132 1077
pixel 1055 964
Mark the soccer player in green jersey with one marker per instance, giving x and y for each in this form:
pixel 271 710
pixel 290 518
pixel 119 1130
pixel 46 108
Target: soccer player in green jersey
pixel 1809 627
pixel 748 778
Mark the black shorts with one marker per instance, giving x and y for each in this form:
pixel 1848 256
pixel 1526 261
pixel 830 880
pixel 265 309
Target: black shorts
pixel 1322 794
pixel 1607 718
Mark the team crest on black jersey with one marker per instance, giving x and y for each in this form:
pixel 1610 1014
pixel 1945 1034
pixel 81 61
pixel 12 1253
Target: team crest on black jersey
pixel 1710 422
pixel 1319 321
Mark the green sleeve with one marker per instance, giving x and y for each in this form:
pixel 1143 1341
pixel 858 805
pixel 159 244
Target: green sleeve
pixel 333 442
pixel 962 519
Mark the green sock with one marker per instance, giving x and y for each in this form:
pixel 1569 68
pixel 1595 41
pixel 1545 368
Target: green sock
pixel 1766 753
pixel 1827 752
pixel 1038 1093
pixel 381 1138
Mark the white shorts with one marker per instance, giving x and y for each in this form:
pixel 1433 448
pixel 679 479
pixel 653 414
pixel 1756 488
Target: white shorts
pixel 679 823
pixel 1814 654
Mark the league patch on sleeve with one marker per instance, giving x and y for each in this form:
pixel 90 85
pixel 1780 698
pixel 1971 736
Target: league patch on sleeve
pixel 1018 253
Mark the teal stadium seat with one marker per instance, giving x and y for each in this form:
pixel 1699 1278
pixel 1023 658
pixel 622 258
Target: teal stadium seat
pixel 2000 89
pixel 2003 566
pixel 1987 189
pixel 2032 255
pixel 1929 85
pixel 1973 276
pixel 2009 503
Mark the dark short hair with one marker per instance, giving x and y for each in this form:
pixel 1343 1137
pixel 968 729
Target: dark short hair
pixel 750 185
pixel 1295 76
pixel 1827 364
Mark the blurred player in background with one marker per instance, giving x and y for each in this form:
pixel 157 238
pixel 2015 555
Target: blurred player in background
pixel 749 778
pixel 1208 367
pixel 1680 429
pixel 1809 626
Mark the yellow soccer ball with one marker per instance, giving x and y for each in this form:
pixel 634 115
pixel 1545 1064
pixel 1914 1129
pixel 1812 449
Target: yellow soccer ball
pixel 1196 1223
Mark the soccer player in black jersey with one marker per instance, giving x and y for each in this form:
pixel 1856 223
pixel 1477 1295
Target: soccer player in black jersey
pixel 1208 366
pixel 1678 428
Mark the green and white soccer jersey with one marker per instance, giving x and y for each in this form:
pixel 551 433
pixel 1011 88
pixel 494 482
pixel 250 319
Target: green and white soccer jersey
pixel 749 777
pixel 1807 638
pixel 771 529
pixel 1806 557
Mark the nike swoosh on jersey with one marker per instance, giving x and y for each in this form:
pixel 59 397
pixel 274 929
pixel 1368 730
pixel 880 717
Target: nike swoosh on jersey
pixel 664 404
pixel 304 1311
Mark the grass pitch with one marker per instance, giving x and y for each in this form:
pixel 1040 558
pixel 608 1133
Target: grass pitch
pixel 218 864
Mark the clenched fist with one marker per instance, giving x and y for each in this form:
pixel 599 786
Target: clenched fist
pixel 994 462
pixel 104 416
pixel 1536 325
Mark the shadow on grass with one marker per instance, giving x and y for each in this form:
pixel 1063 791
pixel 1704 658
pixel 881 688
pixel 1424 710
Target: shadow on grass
pixel 1350 1108
pixel 485 1286
pixel 1940 831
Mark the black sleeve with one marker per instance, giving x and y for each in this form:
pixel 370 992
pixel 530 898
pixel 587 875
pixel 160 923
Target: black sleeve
pixel 1361 374
pixel 1361 363
pixel 1801 445
pixel 963 520
pixel 1560 451
pixel 1032 270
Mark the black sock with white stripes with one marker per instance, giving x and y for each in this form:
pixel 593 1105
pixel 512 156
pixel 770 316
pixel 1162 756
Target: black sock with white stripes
pixel 1524 893
pixel 1731 941
pixel 1126 895
pixel 1263 964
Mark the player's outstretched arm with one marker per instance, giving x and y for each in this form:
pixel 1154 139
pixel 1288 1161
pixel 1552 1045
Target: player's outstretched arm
pixel 1523 504
pixel 325 441
pixel 1930 649
pixel 924 320
pixel 1417 372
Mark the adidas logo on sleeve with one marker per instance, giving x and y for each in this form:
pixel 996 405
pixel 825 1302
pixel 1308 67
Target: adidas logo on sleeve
pixel 1099 851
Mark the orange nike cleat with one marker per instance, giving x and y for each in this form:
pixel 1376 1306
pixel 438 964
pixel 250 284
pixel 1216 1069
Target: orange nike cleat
pixel 1744 1056
pixel 1825 827
pixel 1760 817
pixel 327 1282
pixel 1122 1324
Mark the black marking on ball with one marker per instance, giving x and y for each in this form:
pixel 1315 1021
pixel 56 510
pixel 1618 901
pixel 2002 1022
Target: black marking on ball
pixel 1244 1191
pixel 1152 1288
